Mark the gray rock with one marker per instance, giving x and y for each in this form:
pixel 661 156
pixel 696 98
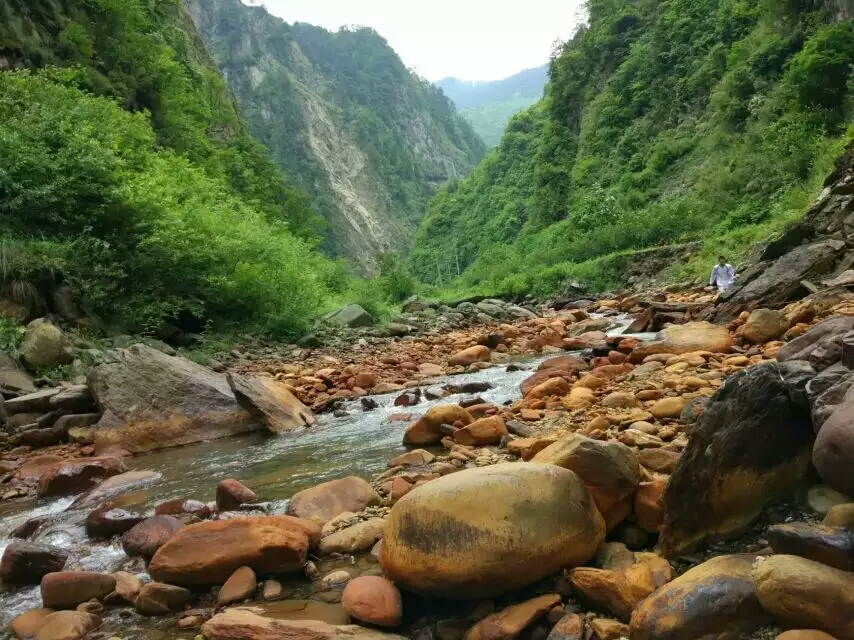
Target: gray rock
pixel 38 402
pixel 520 313
pixel 398 329
pixel 833 454
pixel 13 376
pixel 270 402
pixel 827 390
pixel 350 316
pixel 45 345
pixel 821 346
pixel 76 398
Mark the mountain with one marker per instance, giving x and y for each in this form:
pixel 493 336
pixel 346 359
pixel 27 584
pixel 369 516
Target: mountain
pixel 343 117
pixel 488 106
pixel 709 120
pixel 129 179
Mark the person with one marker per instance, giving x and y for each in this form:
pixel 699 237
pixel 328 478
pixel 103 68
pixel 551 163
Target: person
pixel 723 275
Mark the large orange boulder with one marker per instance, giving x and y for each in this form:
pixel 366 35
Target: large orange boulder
pixel 427 429
pixel 270 402
pixel 464 358
pixel 686 338
pixel 482 432
pixel 210 552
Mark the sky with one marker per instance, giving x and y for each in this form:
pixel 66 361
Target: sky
pixel 467 39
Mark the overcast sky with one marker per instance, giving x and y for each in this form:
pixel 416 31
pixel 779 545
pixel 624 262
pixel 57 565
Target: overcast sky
pixel 469 39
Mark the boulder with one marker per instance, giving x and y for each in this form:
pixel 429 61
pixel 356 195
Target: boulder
pixel 620 591
pixel 427 429
pixel 113 486
pixel 481 432
pixel 107 522
pixel 821 346
pixel 209 552
pixel 415 457
pixel 806 594
pixel 482 532
pixel 45 345
pixel 323 502
pixel 250 623
pixel 239 586
pixel 67 625
pixel 13 376
pixel 351 315
pixel 464 358
pixel 151 401
pixel 750 446
pixel 158 599
pixel 715 599
pixel 180 507
pixel 659 460
pixel 609 470
pixel 686 338
pixel 833 453
pixel 26 626
pixel 67 589
pixel 833 546
pixel 373 600
pixel 128 586
pixel 36 402
pixel 764 325
pixel 230 494
pixel 353 539
pixel 270 403
pixel 511 622
pixel 827 391
pixel 145 538
pixel 28 562
pixel 77 475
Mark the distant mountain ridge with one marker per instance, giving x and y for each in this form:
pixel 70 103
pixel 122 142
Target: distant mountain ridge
pixel 488 106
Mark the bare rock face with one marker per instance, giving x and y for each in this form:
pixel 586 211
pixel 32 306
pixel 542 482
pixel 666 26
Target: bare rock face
pixel 751 444
pixel 270 402
pixel 151 400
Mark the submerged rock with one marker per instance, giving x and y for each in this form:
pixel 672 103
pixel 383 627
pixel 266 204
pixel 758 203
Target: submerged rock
pixel 482 532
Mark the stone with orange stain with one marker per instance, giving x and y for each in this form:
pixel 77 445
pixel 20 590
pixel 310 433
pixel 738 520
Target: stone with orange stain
pixel 427 429
pixel 649 512
pixel 512 621
pixel 482 432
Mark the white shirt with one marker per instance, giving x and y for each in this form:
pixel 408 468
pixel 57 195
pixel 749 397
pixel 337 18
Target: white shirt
pixel 722 276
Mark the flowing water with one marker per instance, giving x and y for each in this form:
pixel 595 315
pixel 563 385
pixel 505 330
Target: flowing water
pixel 275 467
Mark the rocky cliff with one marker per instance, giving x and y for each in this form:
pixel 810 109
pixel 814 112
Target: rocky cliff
pixel 343 117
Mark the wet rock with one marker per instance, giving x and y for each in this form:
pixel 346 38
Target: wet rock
pixel 151 400
pixel 609 470
pixel 273 590
pixel 764 325
pixel 250 623
pixel 28 562
pixel 179 507
pixel 76 476
pixel 240 586
pixel 686 338
pixel 755 432
pixel 482 532
pixel 145 538
pixel 107 522
pixel 27 625
pixel 428 428
pixel 481 432
pixel 67 625
pixel 715 599
pixel 67 589
pixel 464 358
pixel 230 494
pixel 209 552
pixel 270 402
pixel 113 486
pixel 620 591
pixel 336 579
pixel 512 621
pixel 569 627
pixel 45 345
pixel 128 586
pixel 833 453
pixel 806 594
pixel 831 546
pixel 373 600
pixel 158 599
pixel 351 315
pixel 358 537
pixel 323 502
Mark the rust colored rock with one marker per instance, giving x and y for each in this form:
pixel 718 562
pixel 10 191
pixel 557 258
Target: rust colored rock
pixel 715 599
pixel 323 502
pixel 512 621
pixel 551 387
pixel 240 586
pixel 668 408
pixel 145 538
pixel 481 432
pixel 158 599
pixel 76 476
pixel 209 552
pixel 464 358
pixel 67 589
pixel 605 629
pixel 270 402
pixel 649 512
pixel 113 487
pixel 569 627
pixel 106 522
pixel 180 507
pixel 373 600
pixel 230 494
pixel 128 586
pixel 686 338
pixel 67 625
pixel 414 457
pixel 427 429
pixel 27 625
pixel 28 562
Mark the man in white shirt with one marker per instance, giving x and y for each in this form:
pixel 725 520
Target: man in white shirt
pixel 723 275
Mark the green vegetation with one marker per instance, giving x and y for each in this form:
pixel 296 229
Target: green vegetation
pixel 489 120
pixel 368 140
pixel 662 122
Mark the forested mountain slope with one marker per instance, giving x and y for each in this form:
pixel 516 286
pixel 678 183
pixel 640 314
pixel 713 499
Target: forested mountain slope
pixel 488 106
pixel 662 121
pixel 341 114
pixel 127 173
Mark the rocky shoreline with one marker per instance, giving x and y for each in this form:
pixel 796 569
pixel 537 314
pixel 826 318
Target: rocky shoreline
pixel 595 506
